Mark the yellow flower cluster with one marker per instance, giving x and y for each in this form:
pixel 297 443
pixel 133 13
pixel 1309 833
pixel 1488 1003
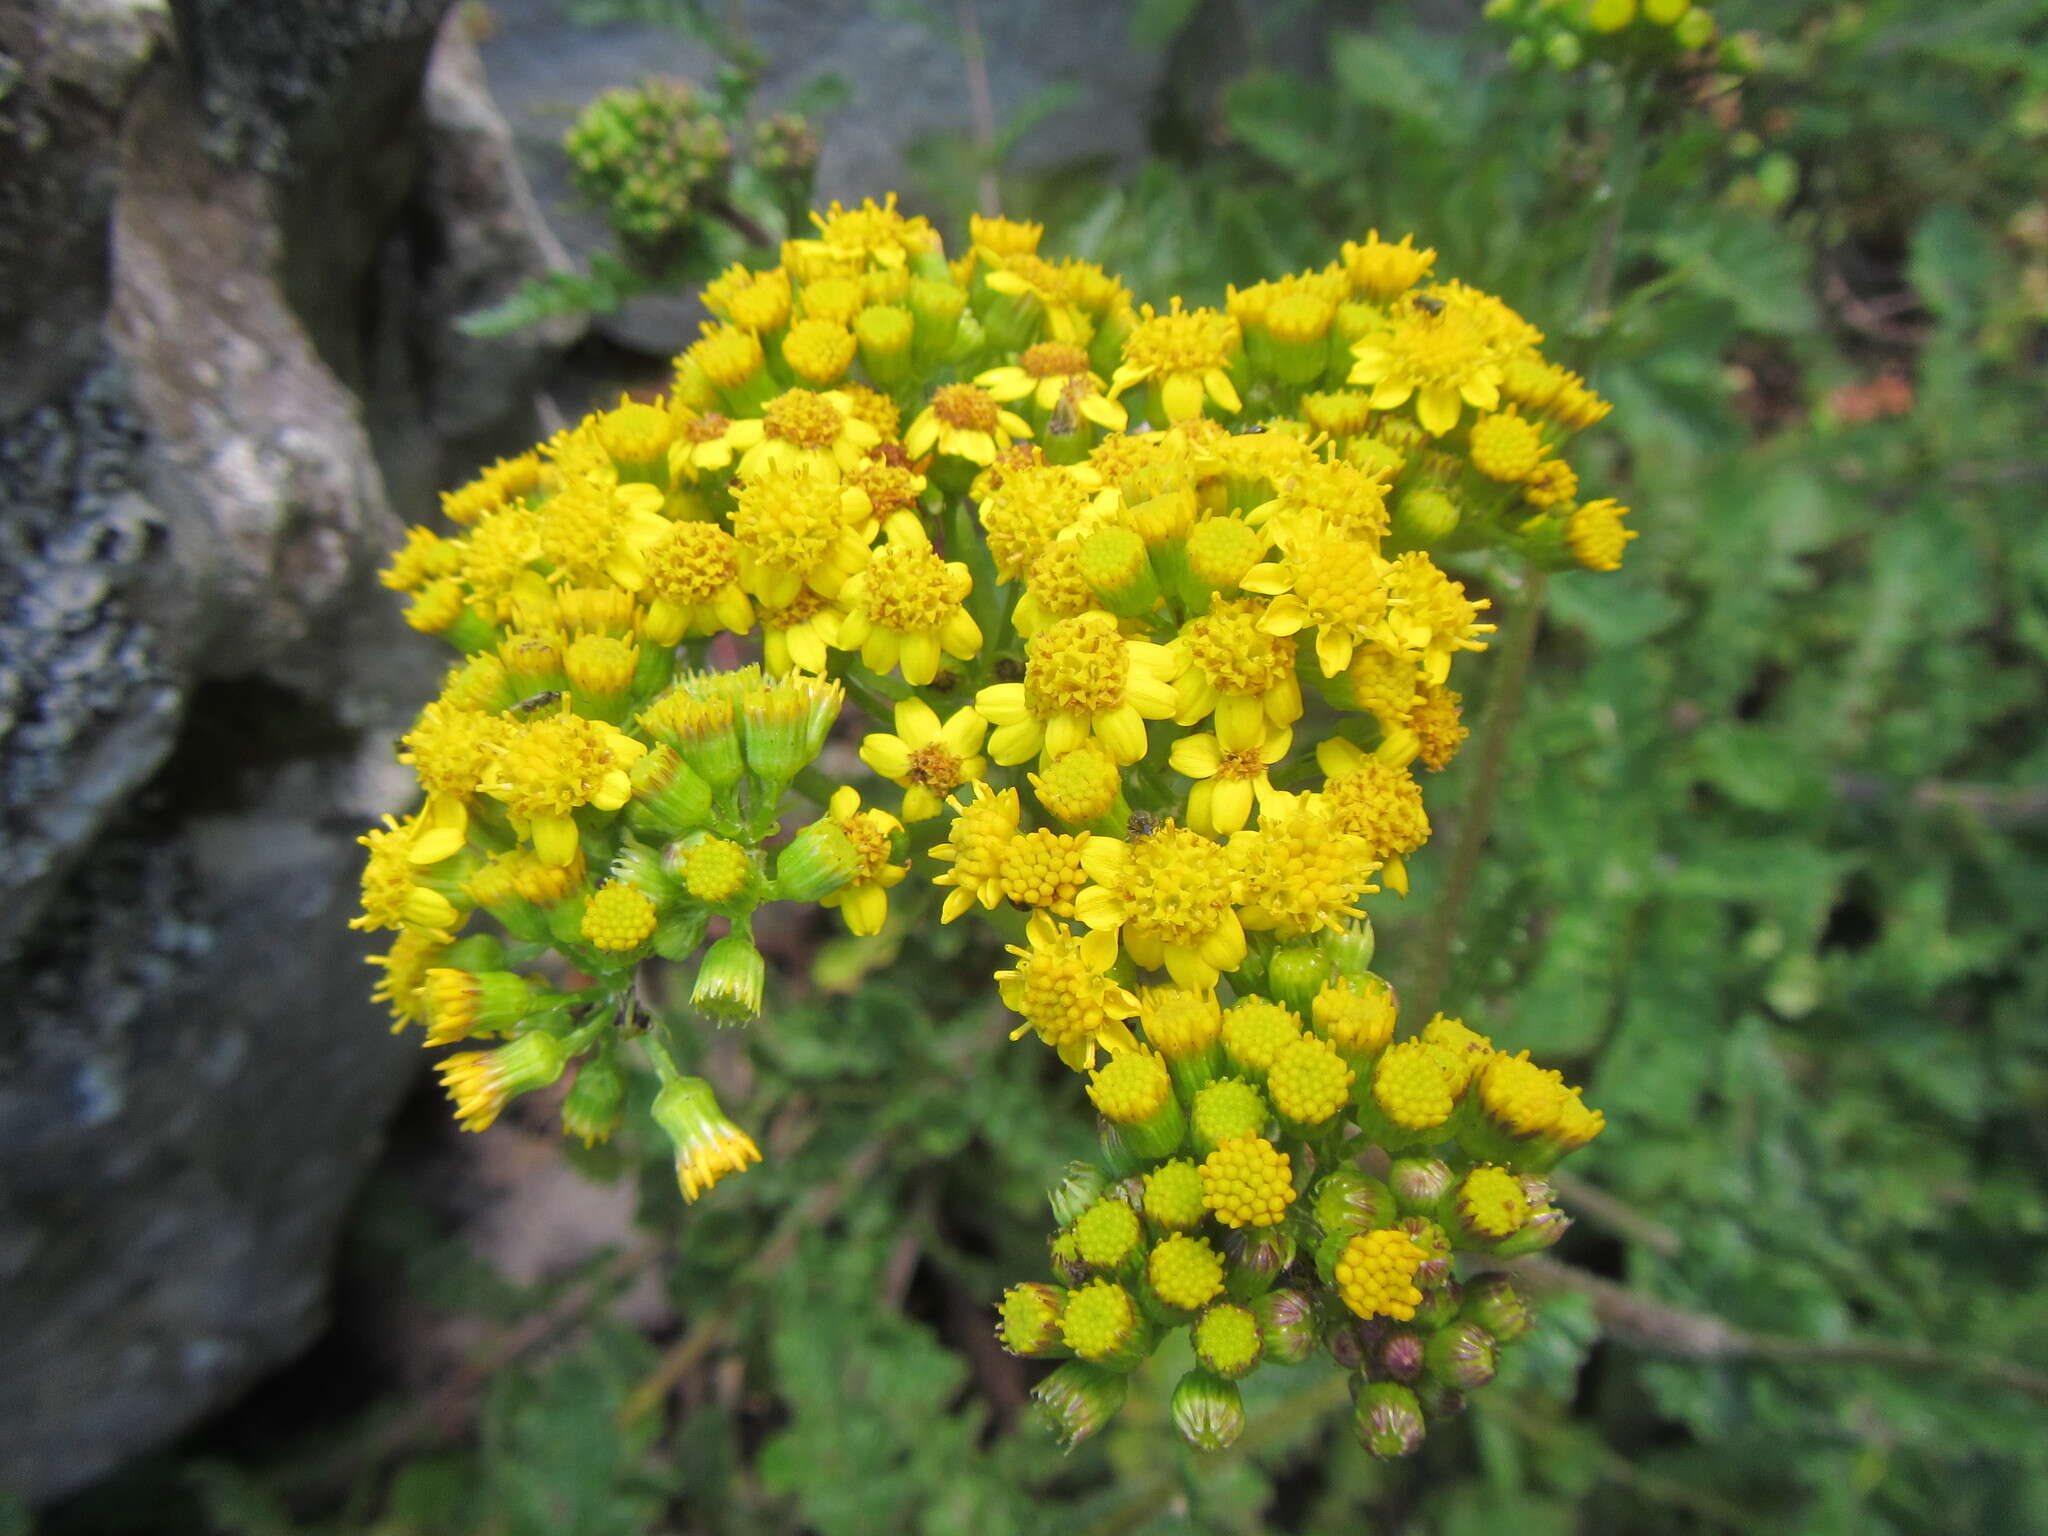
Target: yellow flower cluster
pixel 1151 615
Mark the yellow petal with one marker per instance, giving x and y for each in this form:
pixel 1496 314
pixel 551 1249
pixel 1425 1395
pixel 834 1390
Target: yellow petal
pixel 888 755
pixel 1002 704
pixel 1181 396
pixel 1195 756
pixel 554 840
pixel 1437 409
pixel 963 731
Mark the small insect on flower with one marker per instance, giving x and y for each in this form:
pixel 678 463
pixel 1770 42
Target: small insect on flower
pixel 538 701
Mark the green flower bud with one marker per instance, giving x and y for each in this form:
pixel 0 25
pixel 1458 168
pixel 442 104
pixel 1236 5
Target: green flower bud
pixel 730 981
pixel 1424 516
pixel 819 860
pixel 669 797
pixel 1387 1420
pixel 597 1101
pixel 1460 1355
pixel 1492 1302
pixel 1419 1184
pixel 885 333
pixel 1257 1257
pixel 1542 1230
pixel 1289 1328
pixel 477 952
pixel 783 726
pixel 679 932
pixel 1113 562
pixel 1207 1410
pixel 1225 1110
pixel 1564 51
pixel 1078 1399
pixel 1348 1201
pixel 1296 975
pixel 1227 1340
pixel 1439 1399
pixel 1031 1319
pixel 936 307
pixel 1440 1304
pixel 1080 1186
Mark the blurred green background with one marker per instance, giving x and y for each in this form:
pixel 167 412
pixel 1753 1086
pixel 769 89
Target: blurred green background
pixel 1767 874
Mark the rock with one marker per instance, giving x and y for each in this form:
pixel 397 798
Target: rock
pixel 248 234
pixel 907 83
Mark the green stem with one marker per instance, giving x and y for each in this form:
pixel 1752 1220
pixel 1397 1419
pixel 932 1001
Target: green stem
pixel 1503 700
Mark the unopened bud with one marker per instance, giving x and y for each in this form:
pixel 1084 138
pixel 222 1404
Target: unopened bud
pixel 1400 1354
pixel 1030 1323
pixel 1494 1304
pixel 1078 1399
pixel 1348 1200
pixel 1387 1420
pixel 1297 973
pixel 1419 1184
pixel 596 1103
pixel 1461 1355
pixel 1207 1410
pixel 1258 1257
pixel 819 860
pixel 731 981
pixel 1289 1328
pixel 1081 1185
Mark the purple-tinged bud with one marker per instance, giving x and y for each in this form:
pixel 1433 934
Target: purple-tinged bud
pixel 1387 1420
pixel 1461 1356
pixel 1076 1400
pixel 1439 1305
pixel 1400 1355
pixel 1438 1399
pixel 1288 1325
pixel 1435 1268
pixel 1348 1200
pixel 1080 1186
pixel 1345 1344
pixel 1542 1230
pixel 1494 1304
pixel 1419 1183
pixel 1257 1257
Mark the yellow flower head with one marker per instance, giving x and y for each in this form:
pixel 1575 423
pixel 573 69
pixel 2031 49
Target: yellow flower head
pixel 1429 617
pixel 1186 355
pixel 1435 720
pixel 1248 1182
pixel 927 760
pixel 1355 1014
pixel 797 634
pixel 1171 895
pixel 1410 1087
pixel 726 356
pixel 1080 786
pixel 1236 670
pixel 1492 1201
pixel 1049 373
pixel 482 1083
pixel 1003 237
pixel 1324 496
pixel 1383 684
pixel 753 301
pixel 1173 1195
pixel 1185 1272
pixel 907 607
pixel 1227 783
pixel 1446 347
pixel 838 299
pixel 393 893
pixel 503 482
pixel 805 430
pixel 1131 1088
pixel 1180 1023
pixel 982 829
pixel 402 986
pixel 1100 1319
pixel 551 766
pixel 693 581
pixel 1255 1030
pixel 423 557
pixel 1333 584
pixel 1596 536
pixel 863 903
pixel 1299 873
pixel 618 918
pixel 1379 270
pixel 600 531
pixel 1376 1274
pixel 1062 989
pixel 1506 446
pixel 1462 1051
pixel 1032 507
pixel 1522 1098
pixel 872 232
pixel 1043 869
pixel 966 422
pixel 1308 1081
pixel 708 1146
pixel 1375 800
pixel 1082 678
pixel 819 351
pixel 797 530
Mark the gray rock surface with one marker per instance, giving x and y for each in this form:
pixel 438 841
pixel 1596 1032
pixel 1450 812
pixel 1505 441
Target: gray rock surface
pixel 230 252
pixel 906 81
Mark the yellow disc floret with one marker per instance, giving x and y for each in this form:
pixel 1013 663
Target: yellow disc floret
pixel 1409 1086
pixel 1173 1195
pixel 1376 1274
pixel 1248 1182
pixel 1185 1272
pixel 1255 1030
pixel 1492 1200
pixel 1132 1088
pixel 1107 1234
pixel 716 870
pixel 1099 1320
pixel 618 918
pixel 1308 1081
pixel 1596 536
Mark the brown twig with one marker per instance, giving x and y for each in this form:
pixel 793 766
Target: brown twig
pixel 1617 1216
pixel 1657 1327
pixel 707 1333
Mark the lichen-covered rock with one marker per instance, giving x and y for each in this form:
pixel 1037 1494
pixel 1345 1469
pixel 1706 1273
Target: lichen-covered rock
pixel 228 341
